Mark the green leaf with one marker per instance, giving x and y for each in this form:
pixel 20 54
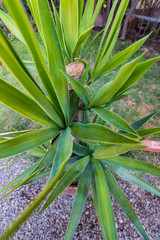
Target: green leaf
pixel 26 141
pixel 56 60
pixel 111 88
pixel 135 165
pixel 90 45
pixel 83 79
pixel 11 25
pixel 2 139
pixel 59 29
pixel 106 56
pixel 63 152
pixel 132 178
pixel 19 178
pixel 17 68
pixel 104 202
pixel 149 131
pixel 121 96
pixel 9 135
pixel 97 133
pixel 97 206
pixel 37 152
pixel 109 20
pixel 71 161
pixel 79 89
pixel 82 39
pixel 123 202
pixel 112 34
pixel 136 125
pixel 79 202
pixel 66 180
pixel 80 8
pixel 80 149
pixel 49 156
pixel 74 102
pixel 23 104
pixel 44 163
pixel 33 6
pixel 25 215
pixel 49 187
pixel 30 65
pixel 96 11
pixel 123 55
pixel 38 177
pixel 19 15
pixel 101 121
pixel 113 119
pixel 87 15
pixel 138 72
pixel 21 183
pixel 70 21
pixel 114 150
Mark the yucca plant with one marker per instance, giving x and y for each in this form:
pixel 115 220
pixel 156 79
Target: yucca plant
pixel 97 153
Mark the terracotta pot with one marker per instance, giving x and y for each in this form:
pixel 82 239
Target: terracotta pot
pixel 72 189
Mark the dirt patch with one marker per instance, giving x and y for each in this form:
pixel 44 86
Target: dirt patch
pixel 142 108
pixel 153 45
pixel 154 87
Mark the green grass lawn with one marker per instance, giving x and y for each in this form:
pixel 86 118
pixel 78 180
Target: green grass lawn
pixel 142 102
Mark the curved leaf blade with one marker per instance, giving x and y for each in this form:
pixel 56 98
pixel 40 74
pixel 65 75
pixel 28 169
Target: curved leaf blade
pixel 11 25
pixel 44 163
pixel 115 150
pixel 79 202
pixel 123 55
pixel 26 141
pixel 113 119
pixel 17 68
pixel 70 21
pixel 19 15
pixel 97 133
pixel 114 29
pixel 79 89
pixel 110 89
pixel 25 215
pixel 80 149
pixel 87 15
pixel 136 125
pixel 20 177
pixel 66 180
pixel 138 72
pixel 8 135
pixel 56 60
pixel 82 39
pixel 63 152
pixel 132 178
pixel 23 104
pixel 149 131
pixel 104 202
pixel 123 202
pixel 95 199
pixel 135 165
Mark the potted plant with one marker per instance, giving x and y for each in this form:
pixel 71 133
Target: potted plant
pixel 97 154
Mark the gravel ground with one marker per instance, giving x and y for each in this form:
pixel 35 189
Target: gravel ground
pixel 53 222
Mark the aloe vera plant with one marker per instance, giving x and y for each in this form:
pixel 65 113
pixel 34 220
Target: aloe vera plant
pixel 96 156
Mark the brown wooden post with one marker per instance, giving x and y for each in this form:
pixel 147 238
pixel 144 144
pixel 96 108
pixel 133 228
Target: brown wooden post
pixel 124 30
